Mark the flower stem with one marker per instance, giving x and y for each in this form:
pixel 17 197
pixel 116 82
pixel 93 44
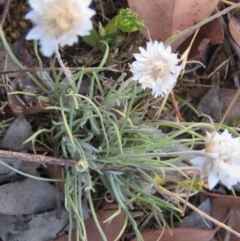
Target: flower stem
pixel 66 72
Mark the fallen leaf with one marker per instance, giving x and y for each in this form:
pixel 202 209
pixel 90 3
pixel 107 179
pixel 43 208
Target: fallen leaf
pixel 6 173
pixel 111 230
pixel 217 101
pixel 195 220
pixel 55 172
pixel 177 234
pixel 234 28
pixel 18 132
pixel 164 18
pixel 227 95
pixel 220 209
pixel 211 32
pixel 30 168
pixel 22 103
pixel 27 197
pixel 222 98
pixel 210 103
pixel 12 224
pixel 42 227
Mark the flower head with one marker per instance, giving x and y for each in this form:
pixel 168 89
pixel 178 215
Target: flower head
pixel 224 166
pixel 59 22
pixel 155 68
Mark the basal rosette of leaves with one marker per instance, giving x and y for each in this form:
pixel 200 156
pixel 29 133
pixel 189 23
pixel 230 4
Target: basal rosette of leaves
pixel 105 132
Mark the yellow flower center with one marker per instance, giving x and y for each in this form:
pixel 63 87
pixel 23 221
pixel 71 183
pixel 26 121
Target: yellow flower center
pixel 57 20
pixel 157 67
pixel 64 19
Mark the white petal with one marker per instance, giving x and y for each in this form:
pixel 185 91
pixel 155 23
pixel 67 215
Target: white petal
pixel 225 133
pixel 36 5
pixel 155 45
pixel 138 65
pixel 150 48
pixel 140 57
pixel 34 33
pixel 67 40
pixel 48 46
pixel 212 180
pixel 176 69
pixel 168 83
pixel 144 52
pixel 159 81
pixel 169 49
pixel 161 47
pixel 157 91
pixel 34 17
pixel 86 3
pixel 85 28
pixel 236 160
pixel 198 162
pixel 149 45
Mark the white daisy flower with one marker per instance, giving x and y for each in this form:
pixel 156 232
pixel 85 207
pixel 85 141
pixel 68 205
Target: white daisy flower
pixel 156 68
pixel 59 22
pixel 224 166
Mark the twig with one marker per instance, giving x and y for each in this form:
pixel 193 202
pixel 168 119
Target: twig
pixel 5 12
pixel 175 105
pixel 41 159
pixel 189 192
pixel 20 156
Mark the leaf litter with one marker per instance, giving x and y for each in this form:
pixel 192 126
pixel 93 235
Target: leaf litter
pixel 27 205
pixel 162 17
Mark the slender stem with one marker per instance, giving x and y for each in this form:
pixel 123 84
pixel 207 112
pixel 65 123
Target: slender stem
pixel 66 72
pixel 95 218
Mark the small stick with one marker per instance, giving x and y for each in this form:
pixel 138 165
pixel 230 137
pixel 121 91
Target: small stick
pixel 5 12
pixel 175 105
pixel 41 159
pixel 20 156
pixel 189 192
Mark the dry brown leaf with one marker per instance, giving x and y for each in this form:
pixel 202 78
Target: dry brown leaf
pixel 234 28
pixel 163 18
pixel 18 132
pixel 225 99
pixel 227 95
pixel 22 103
pixel 43 226
pixel 111 229
pixel 210 32
pixel 220 209
pixel 55 172
pixel 27 197
pixel 177 234
pixel 210 103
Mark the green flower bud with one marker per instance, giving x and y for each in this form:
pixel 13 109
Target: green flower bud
pixel 127 21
